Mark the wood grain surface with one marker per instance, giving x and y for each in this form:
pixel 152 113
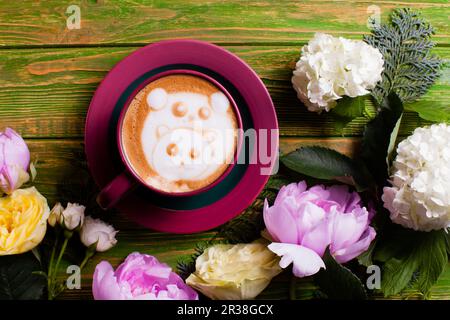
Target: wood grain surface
pixel 49 73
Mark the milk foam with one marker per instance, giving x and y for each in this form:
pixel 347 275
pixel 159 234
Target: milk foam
pixel 187 136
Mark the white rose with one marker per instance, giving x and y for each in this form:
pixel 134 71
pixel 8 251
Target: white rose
pixel 97 231
pixel 73 216
pixel 331 67
pixel 420 194
pixel 229 272
pixel 55 214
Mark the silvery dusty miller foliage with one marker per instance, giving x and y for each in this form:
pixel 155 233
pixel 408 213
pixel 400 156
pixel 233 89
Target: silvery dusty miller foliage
pixel 409 69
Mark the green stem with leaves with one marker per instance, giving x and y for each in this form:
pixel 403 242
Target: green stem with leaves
pixel 52 281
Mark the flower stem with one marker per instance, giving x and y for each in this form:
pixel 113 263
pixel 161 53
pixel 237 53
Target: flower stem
pixel 52 258
pixel 89 254
pixel 51 290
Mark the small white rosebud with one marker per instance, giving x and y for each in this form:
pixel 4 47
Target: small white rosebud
pixel 55 214
pixel 73 216
pixel 99 232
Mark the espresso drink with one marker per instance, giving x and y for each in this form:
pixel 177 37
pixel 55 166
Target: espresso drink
pixel 179 133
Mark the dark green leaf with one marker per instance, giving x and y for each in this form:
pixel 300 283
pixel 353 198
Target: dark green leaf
pixel 394 244
pixel 338 282
pixel 409 68
pixel 378 137
pixel 327 164
pixel 18 279
pixel 348 109
pixel 431 110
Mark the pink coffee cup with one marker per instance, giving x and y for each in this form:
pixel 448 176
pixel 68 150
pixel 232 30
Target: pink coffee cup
pixel 128 180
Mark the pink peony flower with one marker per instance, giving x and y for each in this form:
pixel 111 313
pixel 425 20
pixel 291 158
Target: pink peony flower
pixel 14 161
pixel 303 223
pixel 139 277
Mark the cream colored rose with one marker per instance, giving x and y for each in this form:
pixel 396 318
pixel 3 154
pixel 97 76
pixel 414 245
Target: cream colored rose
pixel 55 214
pixel 99 232
pixel 72 216
pixel 23 221
pixel 230 272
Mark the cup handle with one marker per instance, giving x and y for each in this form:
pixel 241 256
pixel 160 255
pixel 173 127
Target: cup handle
pixel 115 190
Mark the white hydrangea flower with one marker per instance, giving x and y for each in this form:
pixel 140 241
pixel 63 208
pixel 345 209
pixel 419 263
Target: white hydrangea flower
pixel 420 194
pixel 331 67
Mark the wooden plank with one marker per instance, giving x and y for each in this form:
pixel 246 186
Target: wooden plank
pixel 45 93
pixel 36 23
pixel 63 174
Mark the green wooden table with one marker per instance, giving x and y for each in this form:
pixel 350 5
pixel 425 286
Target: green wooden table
pixel 48 74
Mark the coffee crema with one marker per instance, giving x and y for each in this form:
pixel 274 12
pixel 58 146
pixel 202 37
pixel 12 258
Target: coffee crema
pixel 179 133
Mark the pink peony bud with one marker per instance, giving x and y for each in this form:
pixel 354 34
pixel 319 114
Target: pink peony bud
pixel 139 277
pixel 303 223
pixel 14 161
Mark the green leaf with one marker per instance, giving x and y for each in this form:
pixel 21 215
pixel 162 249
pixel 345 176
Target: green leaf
pixel 431 110
pixel 409 67
pixel 35 251
pixel 433 259
pixel 394 241
pixel 276 182
pixel 338 282
pixel 397 274
pixel 365 258
pixel 18 280
pixel 347 109
pixel 327 164
pixel 406 253
pixel 378 136
pixel 393 140
pixel 447 240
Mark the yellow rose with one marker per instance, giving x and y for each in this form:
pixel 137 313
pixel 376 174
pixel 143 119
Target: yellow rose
pixel 23 221
pixel 231 272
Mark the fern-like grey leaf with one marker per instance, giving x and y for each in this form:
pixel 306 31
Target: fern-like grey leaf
pixel 409 69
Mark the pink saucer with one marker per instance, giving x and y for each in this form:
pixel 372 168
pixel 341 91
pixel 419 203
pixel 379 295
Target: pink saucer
pixel 230 198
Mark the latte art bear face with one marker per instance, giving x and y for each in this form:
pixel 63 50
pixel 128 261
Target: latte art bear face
pixel 187 136
pixel 184 136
